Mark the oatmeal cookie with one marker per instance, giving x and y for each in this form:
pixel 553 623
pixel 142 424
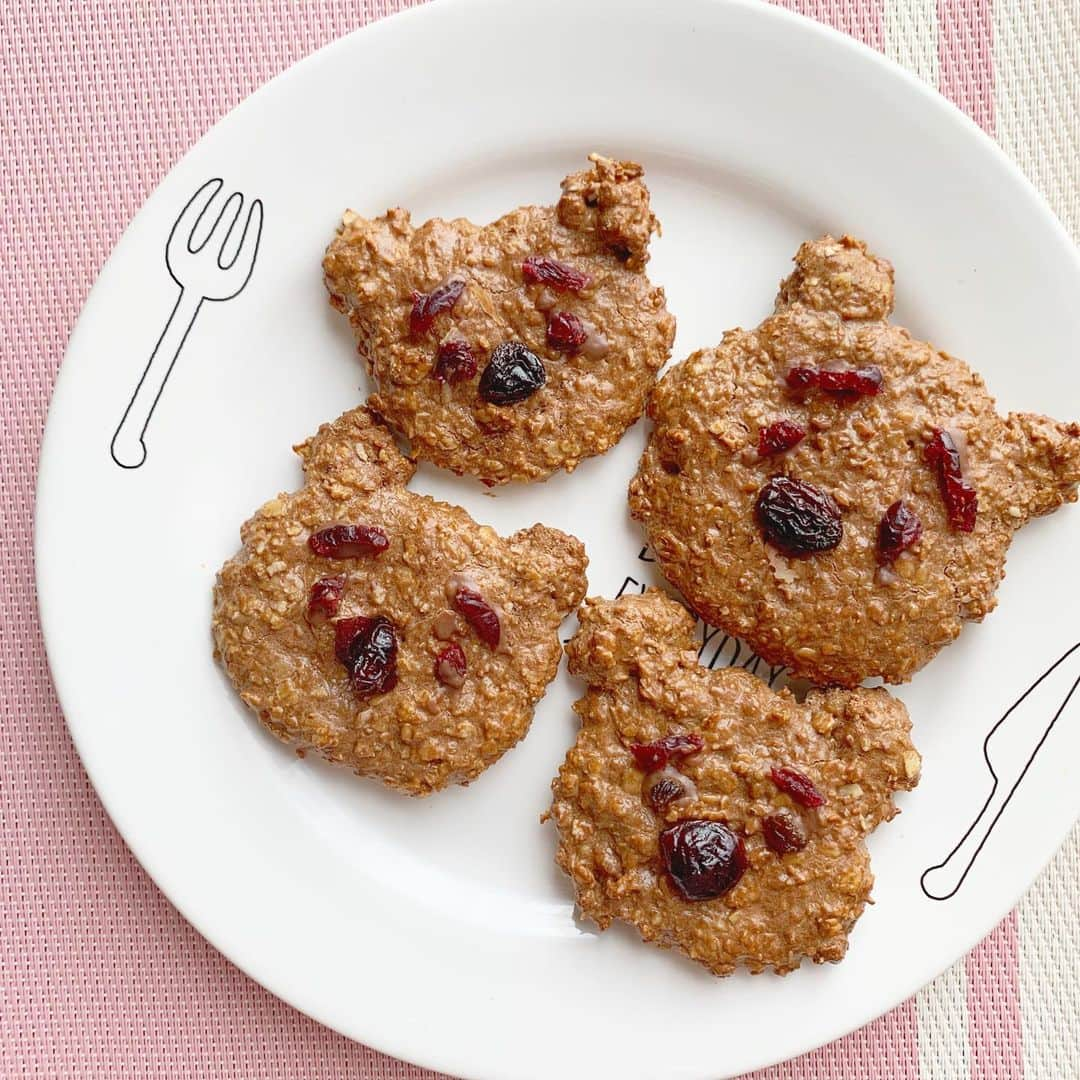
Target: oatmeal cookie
pixel 834 492
pixel 715 815
pixel 388 631
pixel 515 349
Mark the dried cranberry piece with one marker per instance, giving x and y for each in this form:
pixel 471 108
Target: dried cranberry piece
pixel 704 858
pixel 802 378
pixel 779 436
pixel 961 502
pixel 784 832
pixel 450 665
pixel 797 517
pixel 325 598
pixel 798 785
pixel 512 375
pixel 960 498
pixel 426 306
pixel 480 615
pixel 941 452
pixel 558 276
pixel 454 362
pixel 566 332
pixel 846 383
pixel 852 382
pixel 348 541
pixel 899 529
pixel 368 649
pixel 663 792
pixel 651 757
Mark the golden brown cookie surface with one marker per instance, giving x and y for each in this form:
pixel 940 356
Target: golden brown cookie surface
pixel 648 847
pixel 844 610
pixel 445 312
pixel 412 648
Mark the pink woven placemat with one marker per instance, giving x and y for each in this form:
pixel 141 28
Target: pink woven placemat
pixel 99 976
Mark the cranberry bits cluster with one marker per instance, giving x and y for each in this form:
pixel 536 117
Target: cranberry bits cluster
pixel 512 350
pixel 831 490
pixel 836 493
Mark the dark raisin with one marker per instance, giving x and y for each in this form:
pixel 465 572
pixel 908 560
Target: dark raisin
pixel 960 498
pixel 798 785
pixel 426 306
pixel 779 436
pixel 512 375
pixel 480 615
pixel 450 666
pixel 900 527
pixel 784 832
pixel 797 517
pixel 454 362
pixel 566 332
pixel 325 598
pixel 368 649
pixel 704 858
pixel 344 632
pixel 558 276
pixel 663 792
pixel 348 541
pixel 651 757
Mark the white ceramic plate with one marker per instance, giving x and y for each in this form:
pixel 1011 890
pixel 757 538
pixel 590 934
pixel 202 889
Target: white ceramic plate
pixel 440 930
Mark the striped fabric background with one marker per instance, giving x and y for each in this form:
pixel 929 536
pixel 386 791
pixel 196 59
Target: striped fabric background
pixel 99 976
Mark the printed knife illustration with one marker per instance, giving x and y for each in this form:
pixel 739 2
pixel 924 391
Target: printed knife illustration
pixel 1009 750
pixel 202 273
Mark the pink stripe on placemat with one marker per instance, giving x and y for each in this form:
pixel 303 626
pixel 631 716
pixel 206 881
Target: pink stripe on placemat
pixel 966 57
pixel 993 997
pixel 862 20
pixel 887 1049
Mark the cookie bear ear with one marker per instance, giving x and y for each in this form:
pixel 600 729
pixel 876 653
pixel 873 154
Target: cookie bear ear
pixel 552 565
pixel 1045 462
pixel 354 453
pixel 841 276
pixel 874 729
pixel 611 201
pixel 617 636
pixel 361 252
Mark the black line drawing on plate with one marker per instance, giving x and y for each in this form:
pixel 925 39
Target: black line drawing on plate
pixel 202 274
pixel 1026 734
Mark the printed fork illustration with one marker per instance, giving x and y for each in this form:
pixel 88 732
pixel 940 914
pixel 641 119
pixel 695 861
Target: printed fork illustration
pixel 202 274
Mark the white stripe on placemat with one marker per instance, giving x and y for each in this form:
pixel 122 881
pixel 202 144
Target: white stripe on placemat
pixel 1049 934
pixel 1037 98
pixel 943 1028
pixel 911 36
